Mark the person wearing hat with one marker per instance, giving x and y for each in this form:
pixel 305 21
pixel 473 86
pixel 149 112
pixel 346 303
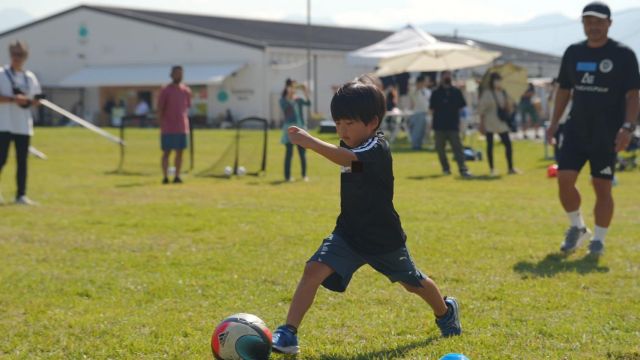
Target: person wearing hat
pixel 601 78
pixel 18 95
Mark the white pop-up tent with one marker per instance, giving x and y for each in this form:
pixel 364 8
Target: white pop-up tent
pixel 412 49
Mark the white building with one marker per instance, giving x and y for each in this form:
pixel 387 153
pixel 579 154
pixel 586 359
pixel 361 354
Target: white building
pixel 88 54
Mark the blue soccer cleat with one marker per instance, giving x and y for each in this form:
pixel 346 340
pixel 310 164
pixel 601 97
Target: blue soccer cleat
pixel 596 247
pixel 574 237
pixel 285 341
pixel 449 324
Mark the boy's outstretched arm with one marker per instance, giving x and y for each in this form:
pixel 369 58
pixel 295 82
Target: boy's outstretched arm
pixel 338 155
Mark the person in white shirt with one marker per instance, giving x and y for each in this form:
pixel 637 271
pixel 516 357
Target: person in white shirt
pixel 418 122
pixel 18 95
pixel 142 111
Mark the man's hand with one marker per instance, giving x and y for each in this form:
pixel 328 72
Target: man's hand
pixel 551 133
pixel 21 100
pixel 622 139
pixel 299 136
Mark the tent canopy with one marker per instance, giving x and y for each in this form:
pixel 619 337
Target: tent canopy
pixel 412 49
pixel 148 75
pixel 401 42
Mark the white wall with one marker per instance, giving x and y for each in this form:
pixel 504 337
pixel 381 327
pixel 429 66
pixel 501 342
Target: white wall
pixel 57 50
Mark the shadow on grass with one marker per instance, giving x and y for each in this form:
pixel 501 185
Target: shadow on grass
pixel 126 173
pixel 279 182
pixel 427 177
pixel 457 177
pixel 132 185
pixel 555 263
pixel 481 178
pixel 212 176
pixel 390 353
pixel 624 356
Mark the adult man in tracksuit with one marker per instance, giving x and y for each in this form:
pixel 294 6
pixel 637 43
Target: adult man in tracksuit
pixel 601 76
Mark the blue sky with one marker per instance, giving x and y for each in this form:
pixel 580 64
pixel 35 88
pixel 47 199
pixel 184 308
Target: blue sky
pixel 387 14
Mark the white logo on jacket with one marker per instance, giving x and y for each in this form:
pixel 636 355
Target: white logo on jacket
pixel 606 65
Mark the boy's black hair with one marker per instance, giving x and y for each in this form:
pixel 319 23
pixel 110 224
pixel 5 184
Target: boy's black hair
pixel 358 100
pixel 421 78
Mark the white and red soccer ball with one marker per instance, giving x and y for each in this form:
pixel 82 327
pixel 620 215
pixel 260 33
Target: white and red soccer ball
pixel 241 336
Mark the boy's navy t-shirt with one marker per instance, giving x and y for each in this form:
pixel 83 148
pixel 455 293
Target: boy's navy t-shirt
pixel 368 221
pixel 600 78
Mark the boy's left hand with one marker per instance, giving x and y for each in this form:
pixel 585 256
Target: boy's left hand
pixel 299 136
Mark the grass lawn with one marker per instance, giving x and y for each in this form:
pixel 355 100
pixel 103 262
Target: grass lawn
pixel 118 266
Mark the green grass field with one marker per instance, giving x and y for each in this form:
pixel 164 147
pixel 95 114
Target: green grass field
pixel 118 266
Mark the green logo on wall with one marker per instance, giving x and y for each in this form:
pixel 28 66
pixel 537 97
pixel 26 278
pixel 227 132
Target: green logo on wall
pixel 223 96
pixel 83 31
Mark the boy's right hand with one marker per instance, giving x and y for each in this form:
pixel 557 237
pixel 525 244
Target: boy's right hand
pixel 299 136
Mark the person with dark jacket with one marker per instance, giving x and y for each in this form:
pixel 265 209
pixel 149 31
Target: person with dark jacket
pixel 446 103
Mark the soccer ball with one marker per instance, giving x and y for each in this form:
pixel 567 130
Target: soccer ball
pixel 241 170
pixel 241 336
pixel 228 170
pixel 452 356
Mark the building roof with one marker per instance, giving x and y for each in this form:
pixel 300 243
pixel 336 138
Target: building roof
pixel 262 34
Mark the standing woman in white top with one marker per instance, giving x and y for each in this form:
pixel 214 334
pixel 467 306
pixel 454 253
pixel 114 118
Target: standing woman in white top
pixel 18 90
pixel 494 108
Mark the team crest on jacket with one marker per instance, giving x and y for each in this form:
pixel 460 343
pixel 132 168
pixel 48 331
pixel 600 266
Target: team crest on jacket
pixel 606 65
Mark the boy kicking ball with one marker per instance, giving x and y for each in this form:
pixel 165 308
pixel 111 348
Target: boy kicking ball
pixel 368 229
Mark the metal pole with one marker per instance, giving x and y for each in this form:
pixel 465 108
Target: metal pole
pixel 308 55
pixel 122 149
pixel 191 145
pixel 315 83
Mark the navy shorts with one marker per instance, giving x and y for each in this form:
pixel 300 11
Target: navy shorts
pixel 173 141
pixel 572 156
pixel 339 256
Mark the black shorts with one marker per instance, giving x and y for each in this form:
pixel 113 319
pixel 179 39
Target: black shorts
pixel 573 154
pixel 173 141
pixel 338 255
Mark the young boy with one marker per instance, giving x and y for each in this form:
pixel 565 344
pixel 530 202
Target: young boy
pixel 368 229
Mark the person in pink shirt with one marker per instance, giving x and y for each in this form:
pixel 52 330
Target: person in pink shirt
pixel 173 115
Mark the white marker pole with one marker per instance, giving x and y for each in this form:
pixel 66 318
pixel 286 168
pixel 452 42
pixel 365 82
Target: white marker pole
pixel 80 121
pixel 37 153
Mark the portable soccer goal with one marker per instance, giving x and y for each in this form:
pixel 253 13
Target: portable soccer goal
pixel 247 152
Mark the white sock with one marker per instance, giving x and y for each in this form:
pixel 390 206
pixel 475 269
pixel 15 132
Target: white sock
pixel 576 219
pixel 600 233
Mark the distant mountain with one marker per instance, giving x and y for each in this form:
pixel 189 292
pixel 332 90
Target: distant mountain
pixel 11 17
pixel 548 33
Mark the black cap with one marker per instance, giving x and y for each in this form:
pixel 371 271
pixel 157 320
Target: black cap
pixel 597 9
